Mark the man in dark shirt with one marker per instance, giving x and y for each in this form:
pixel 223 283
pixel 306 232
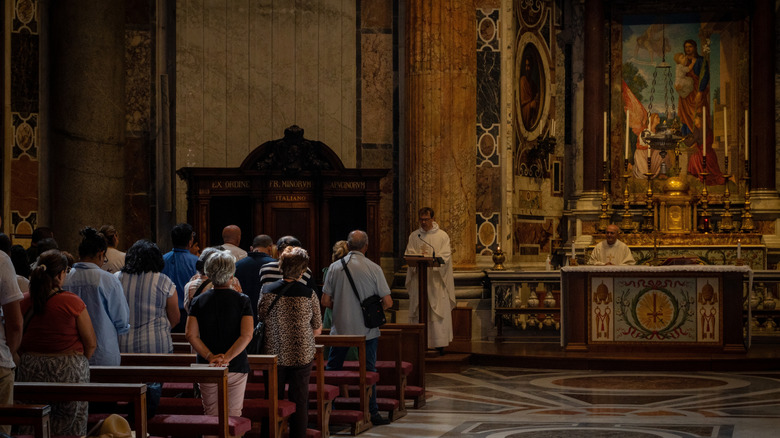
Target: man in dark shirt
pixel 248 268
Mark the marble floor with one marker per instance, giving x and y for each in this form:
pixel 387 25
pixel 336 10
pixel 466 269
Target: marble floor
pixel 496 402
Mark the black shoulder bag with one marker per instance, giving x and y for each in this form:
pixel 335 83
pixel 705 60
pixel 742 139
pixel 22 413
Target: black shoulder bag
pixel 373 312
pixel 258 336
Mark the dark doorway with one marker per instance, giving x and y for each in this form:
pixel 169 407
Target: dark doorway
pixel 346 214
pixel 230 210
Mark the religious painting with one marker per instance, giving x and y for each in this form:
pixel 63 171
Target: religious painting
pixel 681 112
pixel 530 94
pixel 651 310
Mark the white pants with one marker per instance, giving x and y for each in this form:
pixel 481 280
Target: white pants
pixel 235 391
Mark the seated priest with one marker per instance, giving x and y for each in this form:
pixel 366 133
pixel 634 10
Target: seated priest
pixel 611 251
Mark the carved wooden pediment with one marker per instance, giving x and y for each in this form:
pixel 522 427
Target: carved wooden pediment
pixel 292 153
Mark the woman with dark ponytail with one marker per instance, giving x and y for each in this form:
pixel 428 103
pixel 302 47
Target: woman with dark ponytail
pixel 58 340
pixel 103 295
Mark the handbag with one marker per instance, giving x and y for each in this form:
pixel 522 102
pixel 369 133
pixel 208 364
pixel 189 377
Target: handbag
pixel 258 335
pixel 373 312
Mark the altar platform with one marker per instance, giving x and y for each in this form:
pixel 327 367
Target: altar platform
pixel 545 355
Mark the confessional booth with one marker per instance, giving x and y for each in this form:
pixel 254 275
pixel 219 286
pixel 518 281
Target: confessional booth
pixel 289 186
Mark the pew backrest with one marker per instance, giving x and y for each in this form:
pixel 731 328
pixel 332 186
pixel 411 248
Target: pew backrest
pixel 49 392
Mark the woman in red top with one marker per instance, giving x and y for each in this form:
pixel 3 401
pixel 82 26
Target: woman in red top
pixel 58 340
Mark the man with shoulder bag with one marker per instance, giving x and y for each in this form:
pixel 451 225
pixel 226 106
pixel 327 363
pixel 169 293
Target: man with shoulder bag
pixel 351 288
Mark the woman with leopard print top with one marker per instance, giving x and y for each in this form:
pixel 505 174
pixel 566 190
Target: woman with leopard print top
pixel 291 326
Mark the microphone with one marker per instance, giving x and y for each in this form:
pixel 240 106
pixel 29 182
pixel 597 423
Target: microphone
pixel 419 236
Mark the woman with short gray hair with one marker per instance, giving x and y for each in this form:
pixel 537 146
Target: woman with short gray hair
pixel 219 327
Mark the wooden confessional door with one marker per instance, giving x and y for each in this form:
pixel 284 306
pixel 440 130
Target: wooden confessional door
pixel 294 219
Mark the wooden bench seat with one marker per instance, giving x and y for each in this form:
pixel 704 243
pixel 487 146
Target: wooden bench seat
pixel 412 351
pixel 269 409
pixel 392 371
pixel 37 416
pixel 221 425
pixel 48 392
pixel 359 420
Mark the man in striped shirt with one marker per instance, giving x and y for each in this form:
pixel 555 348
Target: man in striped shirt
pixel 270 271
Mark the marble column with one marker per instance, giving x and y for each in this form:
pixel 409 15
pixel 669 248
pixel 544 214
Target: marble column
pixel 440 133
pixel 762 110
pixel 593 139
pixel 87 116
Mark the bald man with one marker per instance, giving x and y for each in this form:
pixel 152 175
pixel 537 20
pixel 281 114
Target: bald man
pixel 611 251
pixel 231 235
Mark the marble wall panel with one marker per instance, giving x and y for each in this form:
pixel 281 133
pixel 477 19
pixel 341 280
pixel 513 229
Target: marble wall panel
pixel 24 185
pixel 488 88
pixel 348 152
pixel 25 135
pixel 377 88
pixel 215 86
pixel 138 86
pixel 488 194
pixel 376 14
pixel 259 111
pixel 307 66
pixel 237 82
pixel 283 68
pixel 24 72
pixel 329 79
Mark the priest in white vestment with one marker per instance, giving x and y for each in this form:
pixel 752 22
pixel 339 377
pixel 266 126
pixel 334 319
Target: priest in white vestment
pixel 430 240
pixel 611 251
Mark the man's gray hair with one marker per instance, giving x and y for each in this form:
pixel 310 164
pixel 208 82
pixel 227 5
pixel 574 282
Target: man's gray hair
pixel 357 240
pixel 220 267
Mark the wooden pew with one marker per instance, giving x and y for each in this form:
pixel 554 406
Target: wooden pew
pixel 273 410
pixel 221 425
pixel 363 379
pixel 413 350
pixel 393 371
pixel 36 416
pixel 49 392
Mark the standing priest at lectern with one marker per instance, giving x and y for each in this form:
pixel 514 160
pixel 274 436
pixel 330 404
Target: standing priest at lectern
pixel 611 251
pixel 429 240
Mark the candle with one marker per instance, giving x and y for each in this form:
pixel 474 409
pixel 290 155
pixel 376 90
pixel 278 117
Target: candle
pixel 725 132
pixel 704 130
pixel 739 249
pixel 746 135
pixel 605 136
pixel 628 117
pixel 572 248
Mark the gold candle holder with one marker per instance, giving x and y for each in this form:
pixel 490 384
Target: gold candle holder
pixel 704 216
pixel 648 223
pixel 747 218
pixel 498 259
pixel 726 220
pixel 604 217
pixel 626 224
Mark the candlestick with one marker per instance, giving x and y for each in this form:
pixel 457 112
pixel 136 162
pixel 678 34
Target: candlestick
pixel 628 117
pixel 704 130
pixel 746 135
pixel 605 136
pixel 726 132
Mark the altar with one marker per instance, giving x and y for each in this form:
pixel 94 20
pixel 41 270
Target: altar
pixel 690 308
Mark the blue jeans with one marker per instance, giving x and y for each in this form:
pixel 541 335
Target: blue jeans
pixel 336 362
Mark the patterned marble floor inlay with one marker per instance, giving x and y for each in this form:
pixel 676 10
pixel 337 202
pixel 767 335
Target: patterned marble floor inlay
pixel 496 402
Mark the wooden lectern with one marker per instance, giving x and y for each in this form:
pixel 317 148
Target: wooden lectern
pixel 422 263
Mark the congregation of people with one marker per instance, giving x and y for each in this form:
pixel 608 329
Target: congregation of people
pixel 63 314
